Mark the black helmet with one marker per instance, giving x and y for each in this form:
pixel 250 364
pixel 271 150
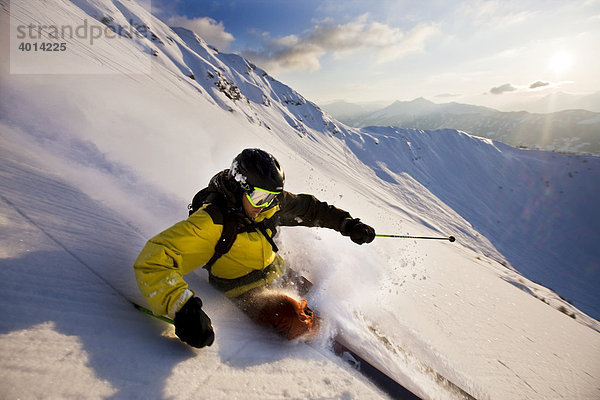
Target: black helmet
pixel 257 168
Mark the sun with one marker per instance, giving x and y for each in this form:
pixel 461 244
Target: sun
pixel 561 62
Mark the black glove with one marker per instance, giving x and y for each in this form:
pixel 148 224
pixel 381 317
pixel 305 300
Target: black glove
pixel 193 326
pixel 359 233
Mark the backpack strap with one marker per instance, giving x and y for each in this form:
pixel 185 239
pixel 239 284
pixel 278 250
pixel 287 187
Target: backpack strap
pixel 261 228
pixel 219 213
pixel 225 241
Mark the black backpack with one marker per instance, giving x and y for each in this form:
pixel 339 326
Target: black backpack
pixel 221 213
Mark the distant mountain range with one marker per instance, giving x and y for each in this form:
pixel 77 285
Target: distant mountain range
pixel 573 131
pixel 564 101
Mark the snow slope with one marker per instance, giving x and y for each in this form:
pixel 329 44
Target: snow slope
pixel 66 326
pixel 93 165
pixel 534 206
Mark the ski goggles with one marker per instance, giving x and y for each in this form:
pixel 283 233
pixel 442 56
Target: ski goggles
pixel 260 197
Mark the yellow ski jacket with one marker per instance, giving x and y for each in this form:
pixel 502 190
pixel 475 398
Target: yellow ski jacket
pixel 189 244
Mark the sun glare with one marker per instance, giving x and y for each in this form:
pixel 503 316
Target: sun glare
pixel 561 62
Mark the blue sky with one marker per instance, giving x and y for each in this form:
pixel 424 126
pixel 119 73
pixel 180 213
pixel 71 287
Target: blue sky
pixel 489 52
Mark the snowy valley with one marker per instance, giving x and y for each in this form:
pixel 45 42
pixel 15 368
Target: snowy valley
pixel 92 165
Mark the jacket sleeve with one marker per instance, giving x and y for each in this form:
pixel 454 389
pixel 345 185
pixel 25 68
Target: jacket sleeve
pixel 307 210
pixel 165 258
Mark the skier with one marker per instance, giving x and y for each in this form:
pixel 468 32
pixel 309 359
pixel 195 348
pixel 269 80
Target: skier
pixel 250 198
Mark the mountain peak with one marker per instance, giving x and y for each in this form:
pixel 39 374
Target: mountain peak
pixel 421 100
pixel 416 101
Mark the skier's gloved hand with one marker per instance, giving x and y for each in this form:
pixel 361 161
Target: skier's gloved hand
pixel 193 326
pixel 359 232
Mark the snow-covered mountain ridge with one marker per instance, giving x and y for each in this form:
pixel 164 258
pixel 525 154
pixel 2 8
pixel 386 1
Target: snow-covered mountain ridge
pixel 92 166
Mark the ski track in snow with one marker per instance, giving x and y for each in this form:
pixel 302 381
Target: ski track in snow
pixel 92 166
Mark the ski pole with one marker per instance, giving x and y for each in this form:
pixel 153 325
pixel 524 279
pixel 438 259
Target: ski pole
pixel 146 311
pixel 450 238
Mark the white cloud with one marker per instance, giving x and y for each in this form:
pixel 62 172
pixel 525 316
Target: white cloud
pixel 287 53
pixel 495 13
pixel 538 84
pixel 303 52
pixel 413 41
pixel 502 89
pixel 207 28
